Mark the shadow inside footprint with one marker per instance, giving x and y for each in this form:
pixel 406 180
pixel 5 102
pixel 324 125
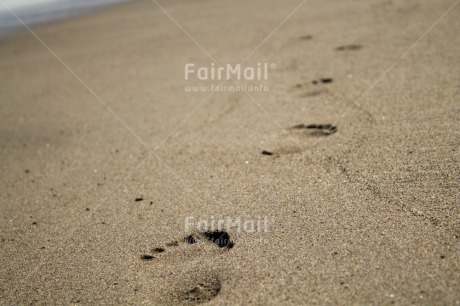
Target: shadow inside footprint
pixel 219 238
pixel 326 80
pixel 190 239
pixel 317 129
pixel 158 250
pixel 147 257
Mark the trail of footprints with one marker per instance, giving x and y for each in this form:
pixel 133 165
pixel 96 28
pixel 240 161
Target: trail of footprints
pixel 198 288
pixel 311 89
pixel 205 287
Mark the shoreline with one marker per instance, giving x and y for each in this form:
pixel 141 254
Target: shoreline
pixel 47 14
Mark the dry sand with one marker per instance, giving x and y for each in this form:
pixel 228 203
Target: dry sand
pixel 366 215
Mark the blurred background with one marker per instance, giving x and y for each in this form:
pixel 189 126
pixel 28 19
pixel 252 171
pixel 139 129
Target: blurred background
pixel 33 12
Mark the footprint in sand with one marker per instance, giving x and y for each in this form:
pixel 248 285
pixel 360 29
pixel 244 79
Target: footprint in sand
pixel 300 131
pixel 317 129
pixel 311 89
pixel 194 284
pixel 306 37
pixel 348 48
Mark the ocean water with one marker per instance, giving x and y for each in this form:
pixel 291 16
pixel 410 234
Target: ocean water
pixel 34 12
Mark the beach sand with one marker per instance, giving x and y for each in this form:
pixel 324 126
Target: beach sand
pixel 107 163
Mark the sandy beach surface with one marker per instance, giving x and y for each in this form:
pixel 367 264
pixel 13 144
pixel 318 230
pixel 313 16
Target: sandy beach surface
pixel 108 163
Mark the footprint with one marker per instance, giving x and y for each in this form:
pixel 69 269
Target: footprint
pixel 300 131
pixel 317 129
pixel 311 89
pixel 348 48
pixel 306 37
pixel 188 279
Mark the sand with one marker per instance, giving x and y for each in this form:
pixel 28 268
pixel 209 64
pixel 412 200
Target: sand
pixel 107 163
